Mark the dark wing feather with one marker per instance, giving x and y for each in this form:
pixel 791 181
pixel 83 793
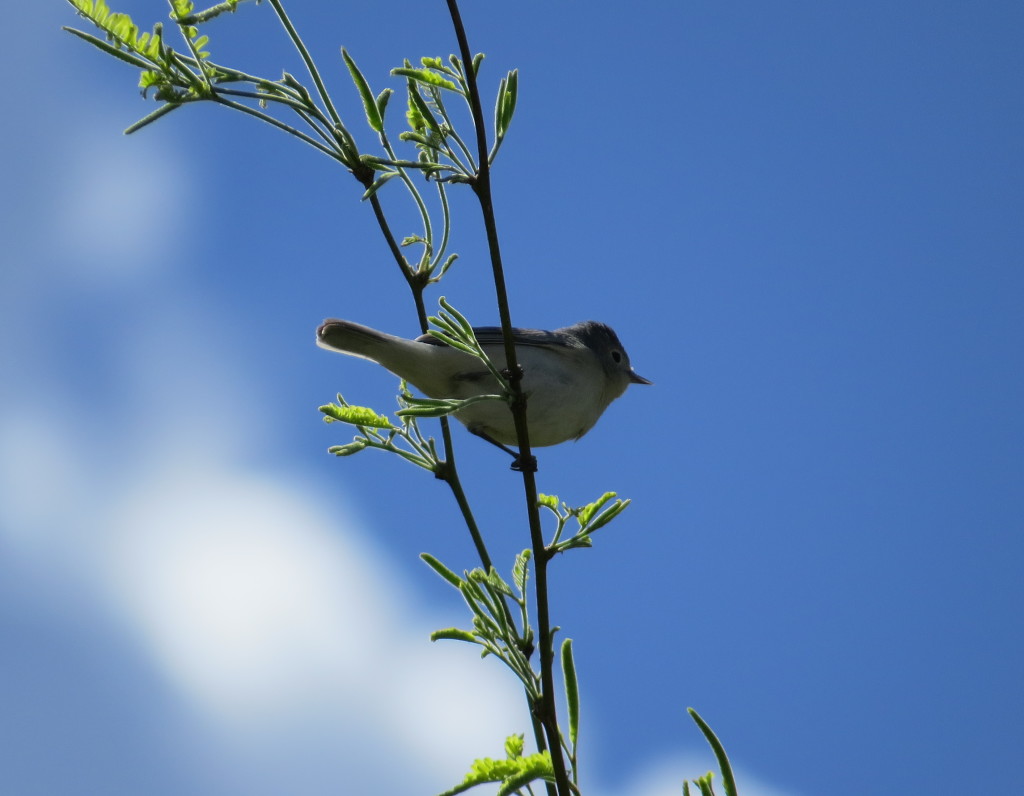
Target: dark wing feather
pixel 491 335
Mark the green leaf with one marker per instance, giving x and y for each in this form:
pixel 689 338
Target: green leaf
pixel 514 746
pixel 521 570
pixel 728 780
pixel 453 634
pixel 588 511
pixel 608 515
pixel 420 111
pixel 548 501
pixel 440 272
pixel 505 105
pixel 149 118
pixel 382 102
pixel 424 76
pixel 373 112
pixel 449 340
pixel 514 784
pixel 377 163
pixel 354 446
pixel 416 138
pixel 476 599
pixel 181 8
pixel 442 570
pixel 439 407
pixel 110 49
pixel 416 123
pixel 497 584
pixel 508 95
pixel 513 773
pixel 572 691
pixel 511 98
pixel 378 183
pixel 120 29
pixel 704 783
pixel 187 18
pixel 355 415
pixel 462 320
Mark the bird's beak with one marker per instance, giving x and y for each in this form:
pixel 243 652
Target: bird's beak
pixel 635 378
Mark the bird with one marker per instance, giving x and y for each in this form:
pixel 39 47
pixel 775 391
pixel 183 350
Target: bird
pixel 570 375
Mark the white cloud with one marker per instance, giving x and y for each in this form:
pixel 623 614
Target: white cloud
pixel 664 777
pixel 248 597
pixel 259 603
pixel 266 613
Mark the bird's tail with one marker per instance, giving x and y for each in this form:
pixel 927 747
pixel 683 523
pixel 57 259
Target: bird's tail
pixel 395 353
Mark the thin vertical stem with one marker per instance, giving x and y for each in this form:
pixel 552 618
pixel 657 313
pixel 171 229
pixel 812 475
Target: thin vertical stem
pixel 545 709
pixel 450 475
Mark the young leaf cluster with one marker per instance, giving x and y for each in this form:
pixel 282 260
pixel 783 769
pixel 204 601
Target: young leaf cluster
pixel 443 156
pixel 488 596
pixel 177 78
pixel 377 431
pixel 514 772
pixel 588 519
pixel 182 78
pixel 455 330
pixel 442 151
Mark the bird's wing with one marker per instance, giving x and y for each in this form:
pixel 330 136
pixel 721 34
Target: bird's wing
pixel 491 335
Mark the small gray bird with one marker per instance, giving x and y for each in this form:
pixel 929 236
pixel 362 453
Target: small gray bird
pixel 570 375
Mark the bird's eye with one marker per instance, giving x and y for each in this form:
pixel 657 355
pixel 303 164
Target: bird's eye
pixel 616 356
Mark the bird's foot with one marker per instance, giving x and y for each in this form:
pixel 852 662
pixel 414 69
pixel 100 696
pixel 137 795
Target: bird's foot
pixel 524 464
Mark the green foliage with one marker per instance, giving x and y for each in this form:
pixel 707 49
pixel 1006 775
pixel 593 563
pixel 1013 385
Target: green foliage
pixel 504 108
pixel 455 330
pixel 513 772
pixel 183 11
pixel 514 746
pixel 425 76
pixel 374 111
pixel 430 125
pixel 176 78
pixel 121 31
pixel 404 440
pixel 494 630
pixel 355 415
pixel 588 519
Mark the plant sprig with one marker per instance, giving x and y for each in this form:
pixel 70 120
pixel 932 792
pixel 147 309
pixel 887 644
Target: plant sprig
pixel 589 518
pixel 485 592
pixel 376 431
pixel 502 625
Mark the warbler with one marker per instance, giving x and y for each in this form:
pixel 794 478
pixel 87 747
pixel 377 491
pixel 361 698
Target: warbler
pixel 570 375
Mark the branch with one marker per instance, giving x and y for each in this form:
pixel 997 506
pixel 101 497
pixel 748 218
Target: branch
pixel 482 186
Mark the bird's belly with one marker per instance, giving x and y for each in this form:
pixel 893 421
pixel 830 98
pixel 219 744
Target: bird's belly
pixel 553 416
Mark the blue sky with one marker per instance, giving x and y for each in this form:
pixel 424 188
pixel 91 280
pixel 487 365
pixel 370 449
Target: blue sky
pixel 803 220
